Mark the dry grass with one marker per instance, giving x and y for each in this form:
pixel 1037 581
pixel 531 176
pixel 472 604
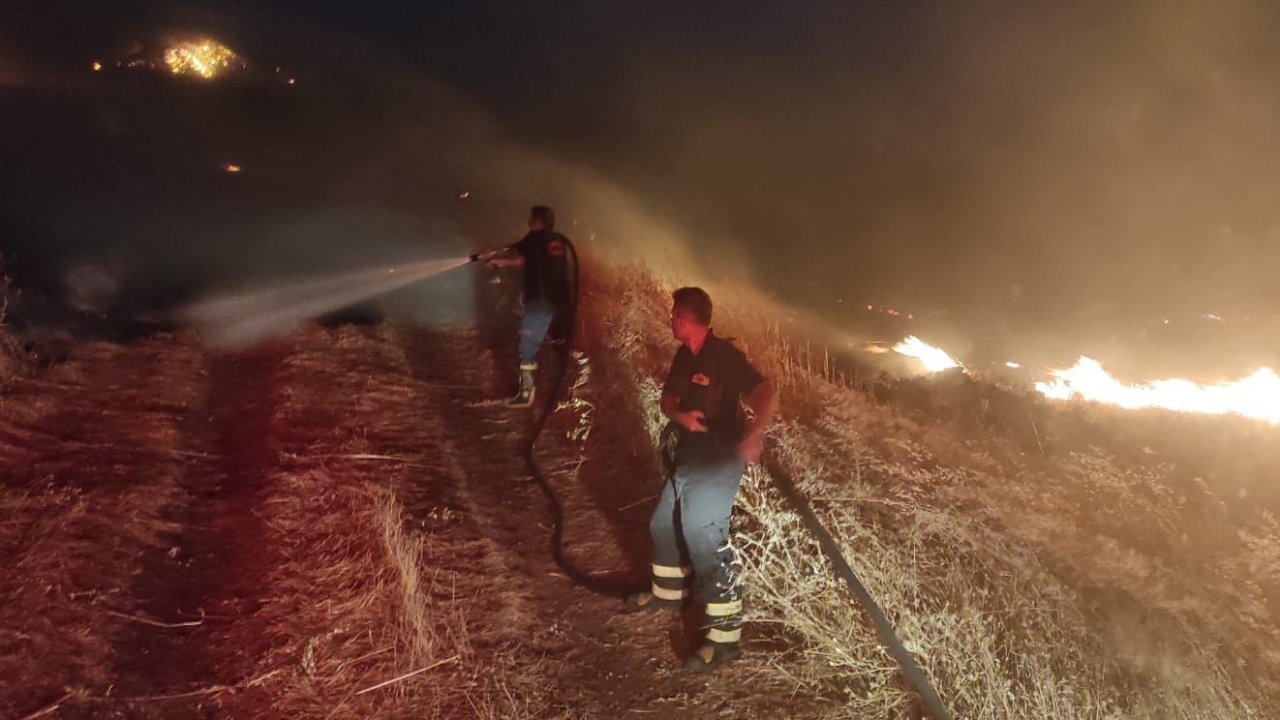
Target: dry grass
pixel 360 592
pixel 365 589
pixel 1085 582
pixel 79 516
pixel 1058 587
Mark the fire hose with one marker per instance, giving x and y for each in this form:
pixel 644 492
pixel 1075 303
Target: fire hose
pixel 884 629
pixel 911 671
pixel 565 345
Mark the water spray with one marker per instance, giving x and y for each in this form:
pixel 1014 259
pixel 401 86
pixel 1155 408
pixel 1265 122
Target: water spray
pixel 240 319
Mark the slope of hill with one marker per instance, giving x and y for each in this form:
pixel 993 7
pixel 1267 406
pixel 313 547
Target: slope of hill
pixel 338 525
pixel 1119 565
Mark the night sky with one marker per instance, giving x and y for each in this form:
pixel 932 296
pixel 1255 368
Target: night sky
pixel 1047 174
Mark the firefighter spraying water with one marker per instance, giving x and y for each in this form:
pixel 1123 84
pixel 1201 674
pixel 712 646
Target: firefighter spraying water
pixel 243 318
pixel 544 255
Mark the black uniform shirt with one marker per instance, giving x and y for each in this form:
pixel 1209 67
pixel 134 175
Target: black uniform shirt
pixel 546 267
pixel 715 382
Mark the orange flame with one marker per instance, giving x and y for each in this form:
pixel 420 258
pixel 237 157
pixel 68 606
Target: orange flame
pixel 934 359
pixel 204 58
pixel 1256 396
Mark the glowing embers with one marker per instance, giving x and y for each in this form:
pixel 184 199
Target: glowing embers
pixel 202 58
pixel 1256 396
pixel 934 359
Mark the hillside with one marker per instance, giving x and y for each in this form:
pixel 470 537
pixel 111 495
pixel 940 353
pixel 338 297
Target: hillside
pixel 336 525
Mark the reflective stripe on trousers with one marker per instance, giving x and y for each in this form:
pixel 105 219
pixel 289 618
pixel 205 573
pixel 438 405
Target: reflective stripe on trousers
pixel 671 582
pixel 723 621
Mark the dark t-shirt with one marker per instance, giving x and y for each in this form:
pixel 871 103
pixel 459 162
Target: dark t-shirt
pixel 546 267
pixel 713 381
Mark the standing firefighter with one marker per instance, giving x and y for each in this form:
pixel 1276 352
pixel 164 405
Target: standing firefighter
pixel 708 384
pixel 545 255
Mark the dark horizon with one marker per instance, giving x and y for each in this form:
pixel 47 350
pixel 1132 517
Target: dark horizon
pixel 1048 178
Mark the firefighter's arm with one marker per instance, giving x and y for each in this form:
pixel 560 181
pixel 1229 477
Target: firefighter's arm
pixel 509 256
pixel 506 258
pixel 762 401
pixel 692 420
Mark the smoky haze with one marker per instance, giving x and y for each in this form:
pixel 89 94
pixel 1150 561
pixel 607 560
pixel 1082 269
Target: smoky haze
pixel 1030 180
pixel 1056 170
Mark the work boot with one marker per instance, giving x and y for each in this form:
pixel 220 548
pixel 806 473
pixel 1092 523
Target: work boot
pixel 711 656
pixel 645 601
pixel 524 396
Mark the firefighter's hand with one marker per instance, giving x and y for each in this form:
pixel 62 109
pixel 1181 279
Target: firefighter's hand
pixel 751 447
pixel 693 420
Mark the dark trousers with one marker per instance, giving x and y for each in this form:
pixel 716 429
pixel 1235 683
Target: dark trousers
pixel 690 532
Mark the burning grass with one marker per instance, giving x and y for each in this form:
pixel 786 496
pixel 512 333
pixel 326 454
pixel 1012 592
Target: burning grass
pixel 1059 586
